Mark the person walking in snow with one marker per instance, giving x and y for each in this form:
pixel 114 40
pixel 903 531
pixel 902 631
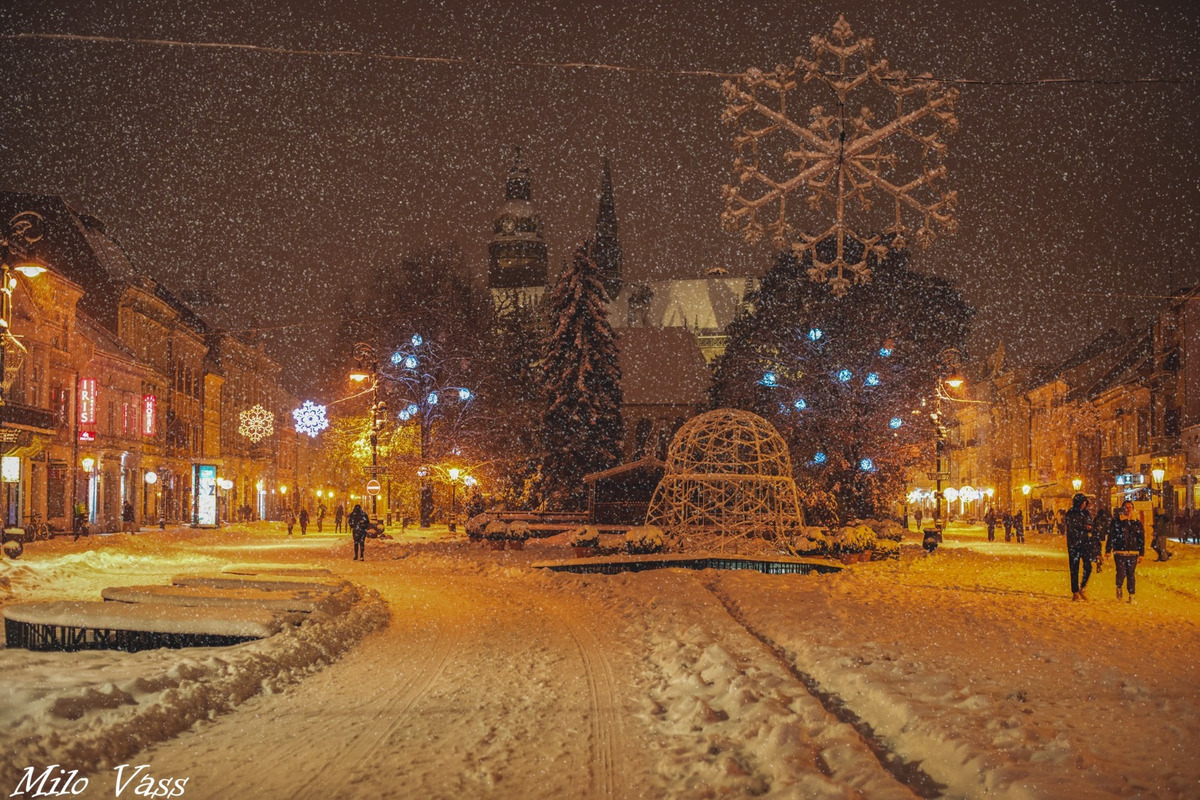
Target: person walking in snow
pixel 303 521
pixel 320 516
pixel 357 522
pixel 1019 526
pixel 918 516
pixel 338 514
pixel 1078 526
pixel 990 519
pixel 1127 543
pixel 1008 521
pixel 290 518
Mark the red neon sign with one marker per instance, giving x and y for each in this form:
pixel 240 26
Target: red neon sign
pixel 149 407
pixel 87 401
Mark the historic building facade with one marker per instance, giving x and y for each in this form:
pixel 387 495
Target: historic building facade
pixel 116 393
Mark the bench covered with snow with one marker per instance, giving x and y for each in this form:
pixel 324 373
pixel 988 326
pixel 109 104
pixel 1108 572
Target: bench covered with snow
pixel 269 569
pixel 270 583
pixel 87 625
pixel 302 600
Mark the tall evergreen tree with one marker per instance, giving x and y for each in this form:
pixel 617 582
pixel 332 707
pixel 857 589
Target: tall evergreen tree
pixel 581 429
pixel 847 382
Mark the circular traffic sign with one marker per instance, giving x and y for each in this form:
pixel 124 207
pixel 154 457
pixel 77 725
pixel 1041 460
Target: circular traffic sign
pixel 372 487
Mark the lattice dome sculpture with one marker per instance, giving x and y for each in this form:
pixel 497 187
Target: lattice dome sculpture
pixel 728 476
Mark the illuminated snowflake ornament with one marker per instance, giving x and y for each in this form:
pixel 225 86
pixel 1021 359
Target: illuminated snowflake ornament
pixel 310 418
pixel 256 423
pixel 878 139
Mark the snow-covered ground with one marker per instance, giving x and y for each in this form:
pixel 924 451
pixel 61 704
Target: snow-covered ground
pixel 456 671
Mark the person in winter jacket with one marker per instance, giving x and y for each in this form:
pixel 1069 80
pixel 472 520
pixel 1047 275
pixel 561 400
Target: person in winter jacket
pixel 1078 525
pixel 290 518
pixel 358 522
pixel 1008 523
pixel 303 521
pixel 990 519
pixel 1019 526
pixel 1127 543
pixel 338 514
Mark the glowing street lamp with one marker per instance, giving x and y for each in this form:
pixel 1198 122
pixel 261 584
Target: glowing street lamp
pixel 1077 484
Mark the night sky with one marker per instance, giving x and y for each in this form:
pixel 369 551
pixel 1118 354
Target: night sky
pixel 276 179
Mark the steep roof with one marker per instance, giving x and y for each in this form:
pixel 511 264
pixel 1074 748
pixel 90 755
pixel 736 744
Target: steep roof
pixel 661 366
pixel 704 303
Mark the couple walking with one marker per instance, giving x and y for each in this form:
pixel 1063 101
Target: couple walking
pixel 1126 540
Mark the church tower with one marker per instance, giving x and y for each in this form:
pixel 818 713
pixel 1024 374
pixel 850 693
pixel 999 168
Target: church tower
pixel 606 248
pixel 517 266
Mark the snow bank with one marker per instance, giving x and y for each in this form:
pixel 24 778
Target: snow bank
pixel 95 710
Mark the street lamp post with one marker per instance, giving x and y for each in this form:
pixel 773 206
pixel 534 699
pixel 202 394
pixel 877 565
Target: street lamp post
pixel 948 376
pixel 453 472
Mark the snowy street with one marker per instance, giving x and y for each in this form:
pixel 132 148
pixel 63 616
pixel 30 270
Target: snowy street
pixel 965 674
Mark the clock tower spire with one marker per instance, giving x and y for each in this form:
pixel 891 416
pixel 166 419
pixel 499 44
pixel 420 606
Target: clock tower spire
pixel 517 263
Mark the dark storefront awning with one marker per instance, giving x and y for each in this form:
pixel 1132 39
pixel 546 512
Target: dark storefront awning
pixel 18 422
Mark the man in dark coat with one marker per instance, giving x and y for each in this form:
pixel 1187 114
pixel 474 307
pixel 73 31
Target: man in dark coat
pixel 1127 543
pixel 1008 523
pixel 1019 526
pixel 338 514
pixel 303 521
pixel 990 519
pixel 1078 524
pixel 358 522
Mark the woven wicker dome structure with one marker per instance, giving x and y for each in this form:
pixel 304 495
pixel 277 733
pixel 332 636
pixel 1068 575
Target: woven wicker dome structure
pixel 729 474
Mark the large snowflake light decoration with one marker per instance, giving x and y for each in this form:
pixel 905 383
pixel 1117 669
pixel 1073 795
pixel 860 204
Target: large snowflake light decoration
pixel 256 423
pixel 310 418
pixel 845 158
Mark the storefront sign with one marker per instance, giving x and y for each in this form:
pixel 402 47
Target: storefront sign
pixel 149 409
pixel 87 401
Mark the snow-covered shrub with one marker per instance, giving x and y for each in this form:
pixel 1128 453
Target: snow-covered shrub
pixel 645 539
pixel 810 540
pixel 477 524
pixel 886 529
pixel 853 539
pixel 887 548
pixel 587 536
pixel 13 548
pixel 496 530
pixel 518 531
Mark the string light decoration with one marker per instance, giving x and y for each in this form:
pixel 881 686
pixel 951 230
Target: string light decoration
pixel 256 423
pixel 842 160
pixel 310 418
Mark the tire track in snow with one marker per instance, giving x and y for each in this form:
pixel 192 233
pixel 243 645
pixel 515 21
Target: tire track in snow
pixel 389 709
pixel 605 723
pixel 908 773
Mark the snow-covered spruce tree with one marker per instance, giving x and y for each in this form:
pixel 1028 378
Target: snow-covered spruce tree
pixel 841 378
pixel 581 426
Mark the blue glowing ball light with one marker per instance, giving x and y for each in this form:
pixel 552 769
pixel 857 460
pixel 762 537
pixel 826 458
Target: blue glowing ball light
pixel 417 341
pixel 872 379
pixel 819 458
pixel 464 394
pixel 412 409
pixel 769 379
pixel 397 358
pixel 405 415
pixel 815 334
pixel 895 422
pixel 800 405
pixel 844 375
pixel 885 351
pixel 866 465
pixel 432 399
pixel 410 362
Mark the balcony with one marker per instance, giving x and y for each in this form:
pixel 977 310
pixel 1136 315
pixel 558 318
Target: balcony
pixel 17 417
pixel 1115 464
